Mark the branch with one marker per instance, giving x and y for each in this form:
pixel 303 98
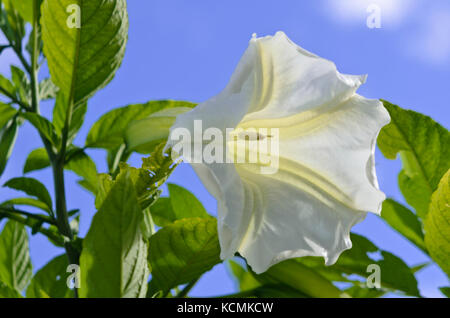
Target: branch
pixel 183 293
pixel 25 221
pixel 14 99
pixel 38 217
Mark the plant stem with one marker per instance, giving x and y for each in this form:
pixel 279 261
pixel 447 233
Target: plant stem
pixel 34 59
pixel 26 221
pixel 14 99
pixel 57 160
pixel 185 291
pixel 41 218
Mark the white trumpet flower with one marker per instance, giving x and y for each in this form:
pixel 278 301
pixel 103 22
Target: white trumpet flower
pixel 325 180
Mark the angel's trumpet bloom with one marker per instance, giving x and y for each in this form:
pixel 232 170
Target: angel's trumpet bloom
pixel 324 181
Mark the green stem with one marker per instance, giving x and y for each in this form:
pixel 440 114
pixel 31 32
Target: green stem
pixel 26 221
pixel 57 160
pixel 34 58
pixel 14 99
pixel 41 218
pixel 122 155
pixel 185 291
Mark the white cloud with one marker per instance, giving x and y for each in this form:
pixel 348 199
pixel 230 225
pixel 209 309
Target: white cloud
pixel 393 12
pixel 432 44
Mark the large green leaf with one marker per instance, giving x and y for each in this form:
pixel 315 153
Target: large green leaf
pixel 182 252
pixel 110 130
pixel 395 274
pixel 437 225
pixel 424 146
pixel 83 60
pixel 7 140
pixel 51 280
pixel 180 204
pixel 114 256
pixel 403 221
pixel 15 263
pixel 31 187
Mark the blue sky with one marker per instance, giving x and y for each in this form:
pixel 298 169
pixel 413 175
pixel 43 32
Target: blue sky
pixel 187 50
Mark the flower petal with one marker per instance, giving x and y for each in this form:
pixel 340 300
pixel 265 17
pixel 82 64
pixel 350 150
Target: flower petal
pixel 340 149
pixel 290 80
pixel 287 222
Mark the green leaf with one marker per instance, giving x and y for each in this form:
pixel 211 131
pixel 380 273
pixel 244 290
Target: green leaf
pixel 24 7
pixel 6 114
pixel 184 203
pixel 142 135
pixel 47 89
pixel 51 280
pixel 60 114
pixel 363 292
pixel 147 225
pixel 437 225
pixel 395 274
pixel 44 127
pixel 180 204
pixel 29 202
pixel 114 256
pixel 15 263
pixel 105 183
pixel 36 160
pixel 21 83
pixel 8 292
pixel 182 252
pixel 6 87
pixel 162 212
pixel 110 130
pixel 83 60
pixel 424 146
pixel 244 278
pixel 83 166
pixel 403 221
pixel 12 23
pixel 445 291
pixel 7 140
pixel 302 278
pixel 415 190
pixel 31 187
